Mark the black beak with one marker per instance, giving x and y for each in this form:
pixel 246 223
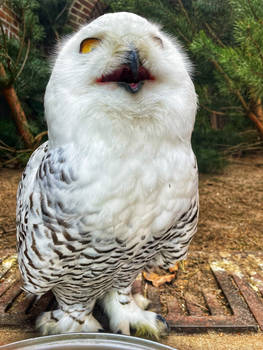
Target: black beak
pixel 133 62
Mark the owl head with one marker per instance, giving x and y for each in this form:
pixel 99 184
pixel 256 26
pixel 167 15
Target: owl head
pixel 120 72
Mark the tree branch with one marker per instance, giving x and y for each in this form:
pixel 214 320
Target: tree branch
pixel 17 111
pixel 213 35
pixel 183 36
pixel 252 116
pixel 253 12
pixel 186 14
pixel 39 137
pixel 61 12
pixel 211 111
pixel 25 59
pixel 251 37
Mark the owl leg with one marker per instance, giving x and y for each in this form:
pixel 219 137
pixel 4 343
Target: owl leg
pixel 69 318
pixel 125 314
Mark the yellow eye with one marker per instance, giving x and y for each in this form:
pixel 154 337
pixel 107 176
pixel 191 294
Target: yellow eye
pixel 88 45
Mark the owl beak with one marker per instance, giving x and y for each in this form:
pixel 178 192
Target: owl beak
pixel 133 62
pixel 131 75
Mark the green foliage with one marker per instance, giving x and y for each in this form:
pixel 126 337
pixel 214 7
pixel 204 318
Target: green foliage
pixel 53 16
pixel 26 61
pixel 8 132
pixel 26 69
pixel 26 10
pixel 14 52
pixel 208 144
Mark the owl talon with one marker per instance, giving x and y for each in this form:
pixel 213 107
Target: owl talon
pixel 161 319
pixel 128 317
pixel 58 321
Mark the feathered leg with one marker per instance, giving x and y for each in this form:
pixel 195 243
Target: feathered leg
pixel 74 317
pixel 125 314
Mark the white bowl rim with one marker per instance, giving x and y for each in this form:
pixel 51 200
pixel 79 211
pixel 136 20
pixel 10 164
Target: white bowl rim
pixel 59 339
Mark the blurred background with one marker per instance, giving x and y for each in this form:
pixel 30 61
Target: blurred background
pixel 224 40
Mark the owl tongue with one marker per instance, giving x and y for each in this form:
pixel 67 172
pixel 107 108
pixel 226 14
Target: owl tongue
pixel 131 87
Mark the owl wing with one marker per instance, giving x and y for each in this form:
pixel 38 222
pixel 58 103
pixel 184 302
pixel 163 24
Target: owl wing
pixel 47 230
pixel 179 236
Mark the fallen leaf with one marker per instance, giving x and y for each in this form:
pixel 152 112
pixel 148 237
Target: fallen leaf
pixel 174 268
pixel 158 280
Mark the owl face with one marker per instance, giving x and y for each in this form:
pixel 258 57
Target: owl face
pixel 122 66
pixel 121 50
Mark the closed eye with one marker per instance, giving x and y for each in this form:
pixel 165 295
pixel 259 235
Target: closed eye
pixel 158 41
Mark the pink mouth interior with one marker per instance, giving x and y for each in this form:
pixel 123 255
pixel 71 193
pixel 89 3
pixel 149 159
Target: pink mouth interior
pixel 125 75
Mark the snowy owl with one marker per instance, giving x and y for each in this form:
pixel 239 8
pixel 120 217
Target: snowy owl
pixel 114 190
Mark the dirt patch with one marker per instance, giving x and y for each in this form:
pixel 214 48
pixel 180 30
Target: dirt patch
pixel 231 215
pixel 216 341
pixel 9 179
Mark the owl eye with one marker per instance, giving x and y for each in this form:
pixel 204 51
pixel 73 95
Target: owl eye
pixel 87 45
pixel 158 40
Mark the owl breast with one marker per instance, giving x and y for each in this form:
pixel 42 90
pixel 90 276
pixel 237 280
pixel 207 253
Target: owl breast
pixel 101 215
pixel 139 195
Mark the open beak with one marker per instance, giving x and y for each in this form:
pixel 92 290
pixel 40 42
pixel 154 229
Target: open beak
pixel 131 75
pixel 132 84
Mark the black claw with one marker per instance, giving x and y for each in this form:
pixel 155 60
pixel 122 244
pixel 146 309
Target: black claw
pixel 163 320
pixel 101 330
pixel 132 330
pixel 119 331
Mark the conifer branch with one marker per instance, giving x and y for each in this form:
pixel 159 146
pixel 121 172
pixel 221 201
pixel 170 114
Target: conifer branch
pixel 213 35
pixel 61 12
pixel 186 14
pixel 251 37
pixel 220 69
pixel 253 12
pixel 242 100
pixel 183 36
pixel 229 82
pixel 237 108
pixel 24 62
pixel 211 110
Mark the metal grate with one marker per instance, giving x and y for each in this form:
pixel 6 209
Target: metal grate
pixel 242 312
pixel 245 303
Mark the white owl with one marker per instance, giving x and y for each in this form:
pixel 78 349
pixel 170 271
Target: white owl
pixel 115 188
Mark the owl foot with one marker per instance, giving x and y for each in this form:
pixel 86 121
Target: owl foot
pixel 126 316
pixel 58 321
pixel 141 301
